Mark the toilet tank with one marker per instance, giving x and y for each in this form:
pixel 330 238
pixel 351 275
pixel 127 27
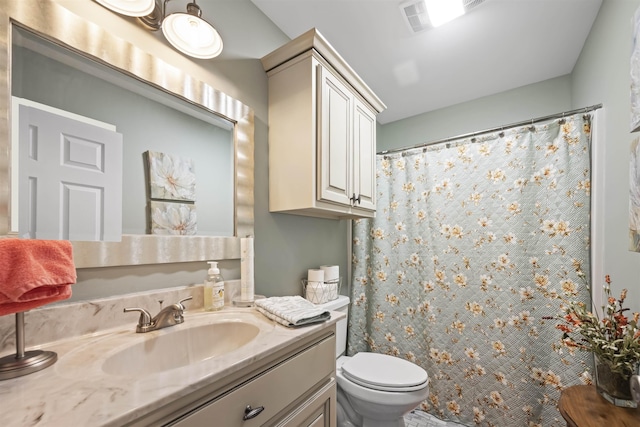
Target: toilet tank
pixel 340 304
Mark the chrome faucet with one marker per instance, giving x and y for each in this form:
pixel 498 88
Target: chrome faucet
pixel 168 316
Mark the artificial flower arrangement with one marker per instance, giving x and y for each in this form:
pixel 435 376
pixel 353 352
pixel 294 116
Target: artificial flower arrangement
pixel 615 340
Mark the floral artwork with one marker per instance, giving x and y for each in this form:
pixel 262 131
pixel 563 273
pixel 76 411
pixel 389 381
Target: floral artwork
pixel 635 73
pixel 634 197
pixel 173 218
pixel 472 247
pixel 171 177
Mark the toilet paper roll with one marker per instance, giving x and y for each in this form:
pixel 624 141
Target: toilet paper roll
pixel 332 291
pixel 315 275
pixel 331 272
pixel 316 286
pixel 317 292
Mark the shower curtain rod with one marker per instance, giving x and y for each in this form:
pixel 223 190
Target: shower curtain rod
pixel 495 129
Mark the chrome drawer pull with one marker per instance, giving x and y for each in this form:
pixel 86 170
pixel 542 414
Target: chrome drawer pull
pixel 250 413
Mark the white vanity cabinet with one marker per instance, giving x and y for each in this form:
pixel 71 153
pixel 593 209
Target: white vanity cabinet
pixel 322 132
pixel 295 387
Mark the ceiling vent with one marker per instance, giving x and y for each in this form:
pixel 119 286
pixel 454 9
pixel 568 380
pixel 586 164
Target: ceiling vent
pixel 415 15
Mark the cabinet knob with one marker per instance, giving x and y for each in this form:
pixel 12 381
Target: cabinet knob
pixel 250 412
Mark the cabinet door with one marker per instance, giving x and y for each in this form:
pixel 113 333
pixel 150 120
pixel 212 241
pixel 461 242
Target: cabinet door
pixel 318 411
pixel 334 139
pixel 364 146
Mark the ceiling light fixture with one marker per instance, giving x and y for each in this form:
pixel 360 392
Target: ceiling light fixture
pixel 191 34
pixel 129 7
pixel 187 31
pixel 443 11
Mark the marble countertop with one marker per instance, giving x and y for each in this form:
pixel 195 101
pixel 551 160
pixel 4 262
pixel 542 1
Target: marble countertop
pixel 76 391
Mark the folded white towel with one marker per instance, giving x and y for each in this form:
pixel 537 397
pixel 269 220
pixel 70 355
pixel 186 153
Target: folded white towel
pixel 291 311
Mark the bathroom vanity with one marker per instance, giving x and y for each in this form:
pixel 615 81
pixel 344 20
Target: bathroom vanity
pixel 295 390
pixel 216 368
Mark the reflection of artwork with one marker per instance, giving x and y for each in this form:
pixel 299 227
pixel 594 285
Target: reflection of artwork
pixel 173 218
pixel 635 73
pixel 634 197
pixel 171 177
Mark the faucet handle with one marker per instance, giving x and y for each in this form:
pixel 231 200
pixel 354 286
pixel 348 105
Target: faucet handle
pixel 145 317
pixel 183 300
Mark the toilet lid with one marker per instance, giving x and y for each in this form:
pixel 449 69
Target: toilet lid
pixel 383 372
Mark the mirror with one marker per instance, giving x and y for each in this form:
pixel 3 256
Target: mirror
pixel 50 21
pixel 147 119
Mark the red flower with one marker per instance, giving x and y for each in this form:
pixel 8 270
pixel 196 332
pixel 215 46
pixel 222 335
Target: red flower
pixel 621 320
pixel 573 319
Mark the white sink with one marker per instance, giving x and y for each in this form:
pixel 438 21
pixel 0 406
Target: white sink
pixel 202 337
pixel 180 347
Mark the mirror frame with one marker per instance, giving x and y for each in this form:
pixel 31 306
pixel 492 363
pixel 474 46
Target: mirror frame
pixel 53 22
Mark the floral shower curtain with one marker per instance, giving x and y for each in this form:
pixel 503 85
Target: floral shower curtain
pixel 475 242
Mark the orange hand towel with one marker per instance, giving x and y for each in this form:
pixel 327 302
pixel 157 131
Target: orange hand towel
pixel 34 273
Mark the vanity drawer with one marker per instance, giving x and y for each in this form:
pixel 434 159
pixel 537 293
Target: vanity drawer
pixel 274 389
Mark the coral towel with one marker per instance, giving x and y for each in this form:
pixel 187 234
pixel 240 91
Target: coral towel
pixel 34 273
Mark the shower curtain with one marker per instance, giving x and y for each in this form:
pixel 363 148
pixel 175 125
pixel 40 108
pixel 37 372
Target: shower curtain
pixel 475 243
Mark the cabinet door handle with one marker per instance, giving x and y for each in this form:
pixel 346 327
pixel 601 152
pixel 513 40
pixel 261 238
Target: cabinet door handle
pixel 355 199
pixel 250 412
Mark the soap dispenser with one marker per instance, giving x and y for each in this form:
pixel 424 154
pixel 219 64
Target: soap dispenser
pixel 213 288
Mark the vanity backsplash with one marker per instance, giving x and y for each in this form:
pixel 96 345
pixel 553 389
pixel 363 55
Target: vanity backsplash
pixel 67 320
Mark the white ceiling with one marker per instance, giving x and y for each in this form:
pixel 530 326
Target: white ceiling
pixel 497 46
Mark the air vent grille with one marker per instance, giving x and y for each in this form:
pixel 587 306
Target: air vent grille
pixel 415 15
pixel 470 4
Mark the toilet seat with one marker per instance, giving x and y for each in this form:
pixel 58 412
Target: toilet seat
pixel 383 372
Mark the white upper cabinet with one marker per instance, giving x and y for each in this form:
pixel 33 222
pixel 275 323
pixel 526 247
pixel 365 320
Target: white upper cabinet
pixel 322 132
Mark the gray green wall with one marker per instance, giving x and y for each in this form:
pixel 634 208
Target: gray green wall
pixel 536 100
pixel 602 74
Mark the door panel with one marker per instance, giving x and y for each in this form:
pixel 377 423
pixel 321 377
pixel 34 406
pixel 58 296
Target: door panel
pixel 71 174
pixel 334 139
pixel 364 140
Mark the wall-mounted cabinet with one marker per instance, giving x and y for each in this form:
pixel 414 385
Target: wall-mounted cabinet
pixel 322 132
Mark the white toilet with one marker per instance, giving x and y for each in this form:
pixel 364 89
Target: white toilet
pixel 374 390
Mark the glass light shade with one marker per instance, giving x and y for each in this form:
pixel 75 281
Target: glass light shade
pixel 129 7
pixel 443 11
pixel 192 35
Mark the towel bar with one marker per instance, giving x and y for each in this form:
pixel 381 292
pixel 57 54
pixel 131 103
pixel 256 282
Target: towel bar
pixel 24 363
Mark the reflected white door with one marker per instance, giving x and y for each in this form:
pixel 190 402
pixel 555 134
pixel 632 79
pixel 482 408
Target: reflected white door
pixel 70 178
